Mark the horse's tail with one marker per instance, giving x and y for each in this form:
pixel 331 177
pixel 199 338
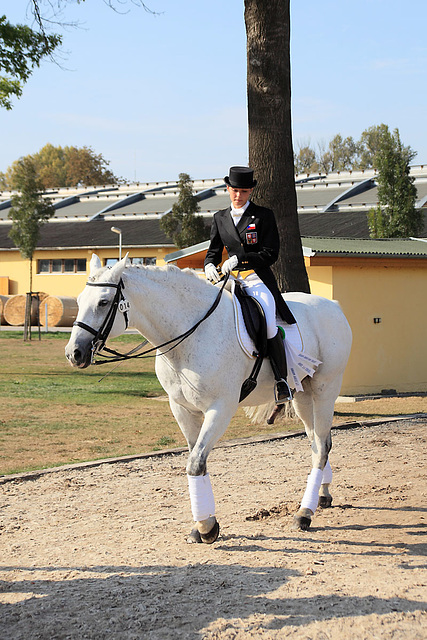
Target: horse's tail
pixel 260 414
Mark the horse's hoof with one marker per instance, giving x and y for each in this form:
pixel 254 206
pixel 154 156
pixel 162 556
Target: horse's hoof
pixel 209 538
pixel 194 537
pixel 301 523
pixel 325 502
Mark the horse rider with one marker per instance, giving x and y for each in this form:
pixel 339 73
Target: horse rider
pixel 249 234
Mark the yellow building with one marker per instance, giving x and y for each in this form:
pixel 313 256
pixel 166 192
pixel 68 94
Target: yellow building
pixel 381 286
pixel 63 272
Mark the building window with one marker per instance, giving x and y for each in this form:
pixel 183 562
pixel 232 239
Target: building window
pixel 145 261
pixel 62 265
pixel 81 265
pixel 69 265
pixel 44 266
pixel 109 262
pixel 56 266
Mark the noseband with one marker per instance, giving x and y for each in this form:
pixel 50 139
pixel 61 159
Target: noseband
pixel 119 303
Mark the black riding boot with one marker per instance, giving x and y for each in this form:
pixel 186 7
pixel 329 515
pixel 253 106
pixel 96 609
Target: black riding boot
pixel 277 355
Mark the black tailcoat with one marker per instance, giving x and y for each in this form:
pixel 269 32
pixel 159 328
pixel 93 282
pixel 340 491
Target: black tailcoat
pixel 255 242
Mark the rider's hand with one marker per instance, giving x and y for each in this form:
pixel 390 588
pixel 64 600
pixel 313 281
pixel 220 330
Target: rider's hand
pixel 229 265
pixel 211 273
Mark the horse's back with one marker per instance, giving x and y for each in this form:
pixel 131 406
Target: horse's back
pixel 325 331
pixel 307 303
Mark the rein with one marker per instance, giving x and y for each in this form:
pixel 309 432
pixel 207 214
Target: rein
pixel 121 304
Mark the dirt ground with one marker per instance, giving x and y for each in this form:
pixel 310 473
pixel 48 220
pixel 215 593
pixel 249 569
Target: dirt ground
pixel 101 552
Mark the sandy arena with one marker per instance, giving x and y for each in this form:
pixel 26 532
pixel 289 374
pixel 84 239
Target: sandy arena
pixel 101 552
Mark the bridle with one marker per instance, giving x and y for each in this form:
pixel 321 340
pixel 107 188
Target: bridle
pixel 120 303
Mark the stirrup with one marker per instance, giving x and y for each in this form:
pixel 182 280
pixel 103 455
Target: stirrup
pixel 282 392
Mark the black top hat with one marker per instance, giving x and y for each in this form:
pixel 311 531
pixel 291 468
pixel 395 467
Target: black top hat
pixel 240 178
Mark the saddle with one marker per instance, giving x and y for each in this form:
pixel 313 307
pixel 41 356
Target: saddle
pixel 299 364
pixel 256 326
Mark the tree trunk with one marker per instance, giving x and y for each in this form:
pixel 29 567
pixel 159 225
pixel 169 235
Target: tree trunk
pixel 29 303
pixel 270 135
pixel 31 273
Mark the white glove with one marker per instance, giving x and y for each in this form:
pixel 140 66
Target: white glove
pixel 211 273
pixel 229 265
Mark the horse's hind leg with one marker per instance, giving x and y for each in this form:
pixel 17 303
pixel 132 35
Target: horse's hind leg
pixel 325 498
pixel 316 411
pixel 304 408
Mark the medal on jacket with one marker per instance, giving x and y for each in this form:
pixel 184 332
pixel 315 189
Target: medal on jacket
pixel 251 234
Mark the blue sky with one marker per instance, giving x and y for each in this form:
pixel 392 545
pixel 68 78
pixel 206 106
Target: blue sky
pixel 165 94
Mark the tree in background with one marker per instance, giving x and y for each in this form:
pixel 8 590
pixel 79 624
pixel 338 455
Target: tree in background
pixel 396 215
pixel 181 223
pixel 87 167
pixel 63 167
pixel 21 51
pixel 270 136
pixel 29 211
pixel 369 146
pixel 305 160
pixel 341 155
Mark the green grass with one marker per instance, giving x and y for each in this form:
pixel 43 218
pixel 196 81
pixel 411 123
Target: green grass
pixel 52 414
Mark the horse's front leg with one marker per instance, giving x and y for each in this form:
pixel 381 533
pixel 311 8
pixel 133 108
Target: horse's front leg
pixel 201 432
pixel 201 494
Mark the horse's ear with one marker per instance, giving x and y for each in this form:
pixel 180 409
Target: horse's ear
pixel 95 264
pixel 118 268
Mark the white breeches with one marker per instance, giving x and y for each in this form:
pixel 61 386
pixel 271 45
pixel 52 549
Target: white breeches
pixel 255 288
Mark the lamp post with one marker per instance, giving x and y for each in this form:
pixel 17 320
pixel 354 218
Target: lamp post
pixel 119 233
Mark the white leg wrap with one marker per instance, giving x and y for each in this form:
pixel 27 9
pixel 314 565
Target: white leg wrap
pixel 327 474
pixel 201 497
pixel 311 495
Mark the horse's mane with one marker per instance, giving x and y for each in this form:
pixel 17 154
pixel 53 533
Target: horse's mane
pixel 165 267
pixel 169 270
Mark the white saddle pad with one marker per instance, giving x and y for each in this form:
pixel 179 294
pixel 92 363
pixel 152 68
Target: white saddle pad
pixel 299 364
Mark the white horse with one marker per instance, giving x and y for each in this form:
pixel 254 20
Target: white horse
pixel 204 373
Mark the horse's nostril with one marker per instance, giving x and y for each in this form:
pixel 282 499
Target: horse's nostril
pixel 77 355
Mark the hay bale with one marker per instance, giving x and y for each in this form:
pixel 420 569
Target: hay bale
pixel 61 311
pixel 14 309
pixel 3 300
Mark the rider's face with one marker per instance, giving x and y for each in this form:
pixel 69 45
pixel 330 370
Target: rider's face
pixel 239 197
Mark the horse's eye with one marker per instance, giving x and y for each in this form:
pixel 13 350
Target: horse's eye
pixel 103 303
